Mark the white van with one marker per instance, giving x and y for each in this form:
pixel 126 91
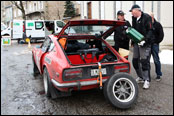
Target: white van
pixel 38 29
pixel 35 29
pixel 15 29
pixel 3 27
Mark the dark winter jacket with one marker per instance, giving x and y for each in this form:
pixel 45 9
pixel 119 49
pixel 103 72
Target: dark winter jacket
pixel 158 32
pixel 120 37
pixel 145 27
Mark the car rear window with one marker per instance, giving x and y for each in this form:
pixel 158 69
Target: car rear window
pixel 86 30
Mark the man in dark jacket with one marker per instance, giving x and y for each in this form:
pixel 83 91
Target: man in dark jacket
pixel 142 22
pixel 120 37
pixel 159 34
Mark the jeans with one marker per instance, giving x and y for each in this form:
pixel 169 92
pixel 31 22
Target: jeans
pixel 155 51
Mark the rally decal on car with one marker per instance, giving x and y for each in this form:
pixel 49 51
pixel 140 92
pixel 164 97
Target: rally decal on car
pixel 47 60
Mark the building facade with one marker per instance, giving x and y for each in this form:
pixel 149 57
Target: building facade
pixel 6 12
pixel 163 12
pixel 44 10
pixel 35 10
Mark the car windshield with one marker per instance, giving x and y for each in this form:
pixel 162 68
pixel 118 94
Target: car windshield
pixel 86 30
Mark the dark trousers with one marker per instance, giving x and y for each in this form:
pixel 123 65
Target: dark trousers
pixel 141 61
pixel 155 54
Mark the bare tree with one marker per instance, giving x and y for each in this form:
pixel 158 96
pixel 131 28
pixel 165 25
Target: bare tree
pixel 20 7
pixel 58 14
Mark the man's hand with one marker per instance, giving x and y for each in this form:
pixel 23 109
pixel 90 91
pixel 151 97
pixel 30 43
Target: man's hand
pixel 141 43
pixel 125 27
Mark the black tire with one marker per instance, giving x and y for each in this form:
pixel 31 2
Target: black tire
pixel 6 35
pixel 121 90
pixel 35 69
pixel 18 41
pixel 50 90
pixel 47 84
pixel 33 40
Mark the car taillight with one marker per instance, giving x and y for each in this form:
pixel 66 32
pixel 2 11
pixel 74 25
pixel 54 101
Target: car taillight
pixel 122 68
pixel 73 73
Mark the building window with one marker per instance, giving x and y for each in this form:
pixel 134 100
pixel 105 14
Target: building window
pixel 38 3
pixel 41 2
pixel 30 8
pixel 34 6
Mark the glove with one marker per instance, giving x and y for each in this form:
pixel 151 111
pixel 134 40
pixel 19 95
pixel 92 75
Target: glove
pixel 141 43
pixel 125 27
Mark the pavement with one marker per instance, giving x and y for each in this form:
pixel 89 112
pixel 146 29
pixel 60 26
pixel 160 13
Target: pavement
pixel 23 94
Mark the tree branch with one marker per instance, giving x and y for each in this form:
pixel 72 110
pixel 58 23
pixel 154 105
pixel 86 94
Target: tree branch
pixel 20 7
pixel 15 3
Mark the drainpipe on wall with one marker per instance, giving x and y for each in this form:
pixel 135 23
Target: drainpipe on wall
pixel 158 10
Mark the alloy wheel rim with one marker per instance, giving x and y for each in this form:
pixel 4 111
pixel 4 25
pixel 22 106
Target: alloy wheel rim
pixel 123 90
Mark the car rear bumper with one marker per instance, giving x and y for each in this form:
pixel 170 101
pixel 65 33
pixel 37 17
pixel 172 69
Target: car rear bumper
pixel 75 84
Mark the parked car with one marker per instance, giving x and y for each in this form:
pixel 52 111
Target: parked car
pixel 79 58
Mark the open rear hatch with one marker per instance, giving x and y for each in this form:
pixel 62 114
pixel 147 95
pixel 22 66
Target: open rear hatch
pixel 84 47
pixel 83 41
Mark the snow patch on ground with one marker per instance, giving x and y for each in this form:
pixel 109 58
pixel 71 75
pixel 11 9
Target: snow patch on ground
pixel 166 57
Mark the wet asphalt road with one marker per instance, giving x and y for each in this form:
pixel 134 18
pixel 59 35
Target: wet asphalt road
pixel 22 94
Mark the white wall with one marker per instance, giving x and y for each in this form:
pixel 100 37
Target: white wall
pixel 109 10
pixel 147 6
pixel 155 11
pixel 163 10
pixel 126 6
pixel 167 21
pixel 95 9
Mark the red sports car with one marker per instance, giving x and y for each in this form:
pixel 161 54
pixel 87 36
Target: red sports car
pixel 79 58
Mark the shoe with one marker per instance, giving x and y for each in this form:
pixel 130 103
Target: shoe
pixel 139 80
pixel 146 84
pixel 158 78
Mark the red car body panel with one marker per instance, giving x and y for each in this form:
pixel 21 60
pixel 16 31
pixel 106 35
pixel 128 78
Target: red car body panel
pixel 56 60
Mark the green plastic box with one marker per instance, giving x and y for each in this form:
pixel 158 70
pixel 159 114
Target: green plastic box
pixel 134 35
